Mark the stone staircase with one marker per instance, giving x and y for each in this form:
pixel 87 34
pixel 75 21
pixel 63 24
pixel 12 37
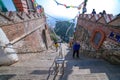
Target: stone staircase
pixel 23 73
pixel 88 69
pixel 37 68
pixel 31 68
pixel 77 73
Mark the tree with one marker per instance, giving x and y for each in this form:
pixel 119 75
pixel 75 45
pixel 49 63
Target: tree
pixel 53 35
pixel 64 29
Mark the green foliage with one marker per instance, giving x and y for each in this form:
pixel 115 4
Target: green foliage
pixel 53 37
pixel 64 29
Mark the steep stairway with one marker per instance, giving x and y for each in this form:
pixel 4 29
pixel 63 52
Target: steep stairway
pixel 32 66
pixel 37 68
pixel 88 69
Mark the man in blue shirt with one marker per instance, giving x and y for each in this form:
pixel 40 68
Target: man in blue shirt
pixel 93 12
pixel 76 47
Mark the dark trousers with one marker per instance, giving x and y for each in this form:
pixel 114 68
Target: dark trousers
pixel 76 52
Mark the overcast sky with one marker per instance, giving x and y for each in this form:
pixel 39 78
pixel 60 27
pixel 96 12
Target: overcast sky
pixel 111 7
pixel 58 12
pixel 51 8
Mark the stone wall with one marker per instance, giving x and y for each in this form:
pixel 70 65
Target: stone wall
pixel 25 31
pixel 109 49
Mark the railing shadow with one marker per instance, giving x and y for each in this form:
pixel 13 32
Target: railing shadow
pixel 53 70
pixel 6 76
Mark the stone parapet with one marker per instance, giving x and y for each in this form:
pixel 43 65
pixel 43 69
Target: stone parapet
pixel 98 33
pixel 25 31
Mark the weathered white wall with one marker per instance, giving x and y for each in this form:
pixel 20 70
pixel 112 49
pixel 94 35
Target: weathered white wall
pixel 7 54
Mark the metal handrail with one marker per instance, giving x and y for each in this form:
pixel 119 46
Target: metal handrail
pixel 58 56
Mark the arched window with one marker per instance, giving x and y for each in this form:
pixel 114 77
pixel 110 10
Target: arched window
pixel 97 38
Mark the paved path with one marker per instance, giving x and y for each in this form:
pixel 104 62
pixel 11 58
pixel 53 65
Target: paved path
pixel 36 67
pixel 89 69
pixel 32 67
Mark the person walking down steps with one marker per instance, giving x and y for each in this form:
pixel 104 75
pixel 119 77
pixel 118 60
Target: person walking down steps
pixel 76 47
pixel 56 46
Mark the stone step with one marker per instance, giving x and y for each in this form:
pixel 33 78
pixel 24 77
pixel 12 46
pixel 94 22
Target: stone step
pixel 35 63
pixel 24 70
pixel 37 76
pixel 81 71
pixel 76 70
pixel 24 73
pixel 23 77
pixel 92 76
pixel 37 73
